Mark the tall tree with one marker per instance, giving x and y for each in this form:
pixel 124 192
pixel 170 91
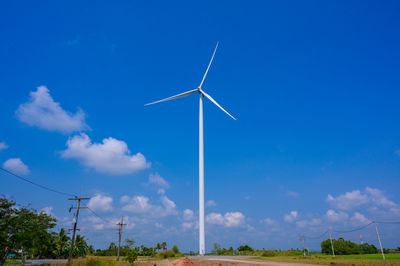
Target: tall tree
pixel 23 229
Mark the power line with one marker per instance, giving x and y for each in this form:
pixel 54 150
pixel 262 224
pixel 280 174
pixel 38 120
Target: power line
pixel 36 184
pixel 353 230
pixel 378 222
pixel 317 237
pixel 98 216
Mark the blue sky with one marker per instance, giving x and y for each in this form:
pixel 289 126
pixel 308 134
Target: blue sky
pixel 314 87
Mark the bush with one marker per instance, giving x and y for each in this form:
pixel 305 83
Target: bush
pixel 166 254
pixel 131 255
pixel 269 253
pixel 175 249
pixel 343 247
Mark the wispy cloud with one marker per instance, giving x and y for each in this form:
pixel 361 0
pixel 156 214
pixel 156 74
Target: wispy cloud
pixel 3 145
pixel 42 111
pixel 16 166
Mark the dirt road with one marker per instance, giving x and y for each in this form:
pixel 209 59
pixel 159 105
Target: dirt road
pixel 237 261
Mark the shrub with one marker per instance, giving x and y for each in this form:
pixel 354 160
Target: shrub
pixel 166 254
pixel 131 255
pixel 269 253
pixel 175 249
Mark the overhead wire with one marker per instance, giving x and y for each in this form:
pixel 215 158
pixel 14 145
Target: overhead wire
pixel 98 216
pixel 36 184
pixel 317 237
pixel 353 230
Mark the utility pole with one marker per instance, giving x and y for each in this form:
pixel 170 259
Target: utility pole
pixel 120 224
pixel 302 238
pixel 75 224
pixel 379 240
pixel 330 237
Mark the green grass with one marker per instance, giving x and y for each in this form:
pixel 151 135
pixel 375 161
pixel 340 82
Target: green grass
pixel 390 256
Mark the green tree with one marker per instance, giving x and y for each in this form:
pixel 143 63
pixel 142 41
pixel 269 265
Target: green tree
pixel 129 242
pixel 343 247
pixel 164 246
pixel 157 247
pixel 175 249
pixel 216 249
pixel 81 247
pixel 62 242
pixel 23 229
pixel 245 248
pixel 131 255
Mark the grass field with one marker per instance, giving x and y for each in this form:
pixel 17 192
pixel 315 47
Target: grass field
pixel 390 256
pixel 321 259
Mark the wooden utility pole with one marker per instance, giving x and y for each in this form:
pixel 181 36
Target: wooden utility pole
pixel 330 237
pixel 379 239
pixel 120 224
pixel 75 224
pixel 302 238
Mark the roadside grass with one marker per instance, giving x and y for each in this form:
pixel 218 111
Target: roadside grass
pixel 320 259
pixel 389 256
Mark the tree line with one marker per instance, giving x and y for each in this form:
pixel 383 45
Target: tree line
pixel 25 232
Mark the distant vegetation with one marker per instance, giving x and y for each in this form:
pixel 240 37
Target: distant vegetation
pixel 159 251
pixel 346 247
pixel 25 232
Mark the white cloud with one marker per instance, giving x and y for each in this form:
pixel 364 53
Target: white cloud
pixel 3 145
pixel 187 225
pixel 158 180
pixel 16 166
pixel 348 201
pixel 359 219
pixel 101 203
pixel 378 198
pixel 137 204
pixel 100 224
pixel 234 219
pixel 211 203
pixel 112 156
pixel 230 219
pixel 42 111
pixel 302 223
pixel 47 210
pixel 269 221
pixel 370 196
pixel 333 216
pixel 292 194
pixel 188 215
pixel 291 217
pixel 141 205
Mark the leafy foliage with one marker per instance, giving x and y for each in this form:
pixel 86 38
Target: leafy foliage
pixel 24 229
pixel 343 247
pixel 131 255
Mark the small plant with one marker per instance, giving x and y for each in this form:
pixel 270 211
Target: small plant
pixel 175 249
pixel 131 256
pixel 166 254
pixel 269 253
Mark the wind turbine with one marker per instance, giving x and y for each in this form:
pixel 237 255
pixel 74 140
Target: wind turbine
pixel 202 245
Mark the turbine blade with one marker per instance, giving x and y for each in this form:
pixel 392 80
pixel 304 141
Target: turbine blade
pixel 212 58
pixel 215 102
pixel 174 97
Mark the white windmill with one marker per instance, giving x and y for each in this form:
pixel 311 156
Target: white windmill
pixel 202 94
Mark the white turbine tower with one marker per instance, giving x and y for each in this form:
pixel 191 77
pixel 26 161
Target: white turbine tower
pixel 202 246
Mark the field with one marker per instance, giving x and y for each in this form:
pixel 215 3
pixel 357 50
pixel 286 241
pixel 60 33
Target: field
pixel 321 259
pixel 316 259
